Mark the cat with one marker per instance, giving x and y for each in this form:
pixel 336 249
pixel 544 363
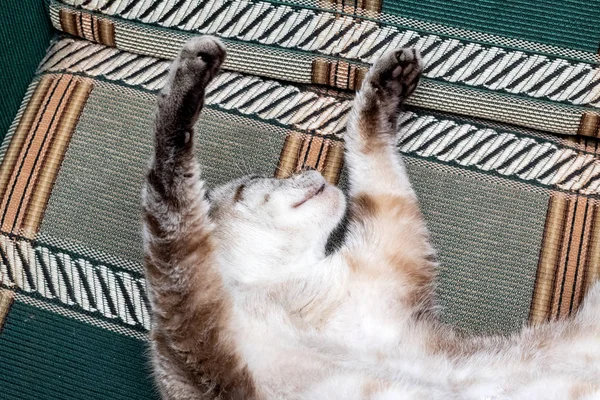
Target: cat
pixel 247 304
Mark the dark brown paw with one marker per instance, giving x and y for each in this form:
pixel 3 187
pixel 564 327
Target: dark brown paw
pixel 397 73
pixel 198 62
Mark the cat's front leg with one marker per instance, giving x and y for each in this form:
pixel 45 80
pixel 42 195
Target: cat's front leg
pixel 177 226
pixel 371 153
pixel 387 235
pixel 188 300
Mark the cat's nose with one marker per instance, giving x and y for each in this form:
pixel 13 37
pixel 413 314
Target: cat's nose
pixel 307 168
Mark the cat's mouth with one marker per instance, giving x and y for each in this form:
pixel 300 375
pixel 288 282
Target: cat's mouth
pixel 310 196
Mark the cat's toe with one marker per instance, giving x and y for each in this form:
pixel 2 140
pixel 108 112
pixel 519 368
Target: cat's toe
pixel 397 72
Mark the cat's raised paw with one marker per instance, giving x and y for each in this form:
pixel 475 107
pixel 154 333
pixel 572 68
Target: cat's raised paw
pixel 397 73
pixel 198 62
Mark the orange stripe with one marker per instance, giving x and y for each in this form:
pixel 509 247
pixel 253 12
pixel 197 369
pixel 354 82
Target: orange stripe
pixel 312 158
pixel 21 133
pixel 49 171
pixel 38 158
pixel 20 177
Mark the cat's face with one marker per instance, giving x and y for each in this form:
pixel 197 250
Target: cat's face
pixel 301 211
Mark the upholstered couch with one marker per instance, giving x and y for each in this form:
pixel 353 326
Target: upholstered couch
pixel 500 141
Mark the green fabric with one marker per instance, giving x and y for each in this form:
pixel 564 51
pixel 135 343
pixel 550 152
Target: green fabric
pixel 487 233
pixel 47 356
pixel 25 33
pixel 567 23
pixel 95 202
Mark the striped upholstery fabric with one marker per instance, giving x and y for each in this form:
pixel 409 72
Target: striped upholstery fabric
pixel 501 142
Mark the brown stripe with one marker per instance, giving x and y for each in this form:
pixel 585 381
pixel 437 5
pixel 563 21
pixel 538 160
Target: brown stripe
pixel 288 159
pixel 6 300
pixel 373 5
pixel 323 156
pixel 40 156
pixel 303 153
pixel 27 119
pixel 314 150
pixel 592 272
pixel 338 74
pixel 106 30
pixel 331 79
pixel 342 73
pixel 549 258
pixel 570 256
pixel 359 77
pixel 584 252
pixel 561 270
pixel 334 162
pixel 96 29
pixel 573 250
pixel 79 25
pixel 589 125
pixel 68 22
pixel 353 6
pixel 320 71
pixel 52 163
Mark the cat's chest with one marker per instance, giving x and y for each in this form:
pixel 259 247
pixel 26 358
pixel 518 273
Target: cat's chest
pixel 370 316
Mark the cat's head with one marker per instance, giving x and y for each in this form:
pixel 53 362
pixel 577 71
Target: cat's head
pixel 277 218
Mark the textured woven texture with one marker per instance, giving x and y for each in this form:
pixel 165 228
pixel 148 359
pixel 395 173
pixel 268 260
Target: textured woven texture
pixel 500 140
pixel 566 23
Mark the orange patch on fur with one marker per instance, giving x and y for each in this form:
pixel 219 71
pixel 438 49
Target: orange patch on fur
pixel 373 387
pixel 396 235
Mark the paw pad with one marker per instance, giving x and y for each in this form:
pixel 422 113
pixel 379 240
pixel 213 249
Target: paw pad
pixel 397 72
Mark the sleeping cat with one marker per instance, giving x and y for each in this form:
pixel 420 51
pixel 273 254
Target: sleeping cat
pixel 247 305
